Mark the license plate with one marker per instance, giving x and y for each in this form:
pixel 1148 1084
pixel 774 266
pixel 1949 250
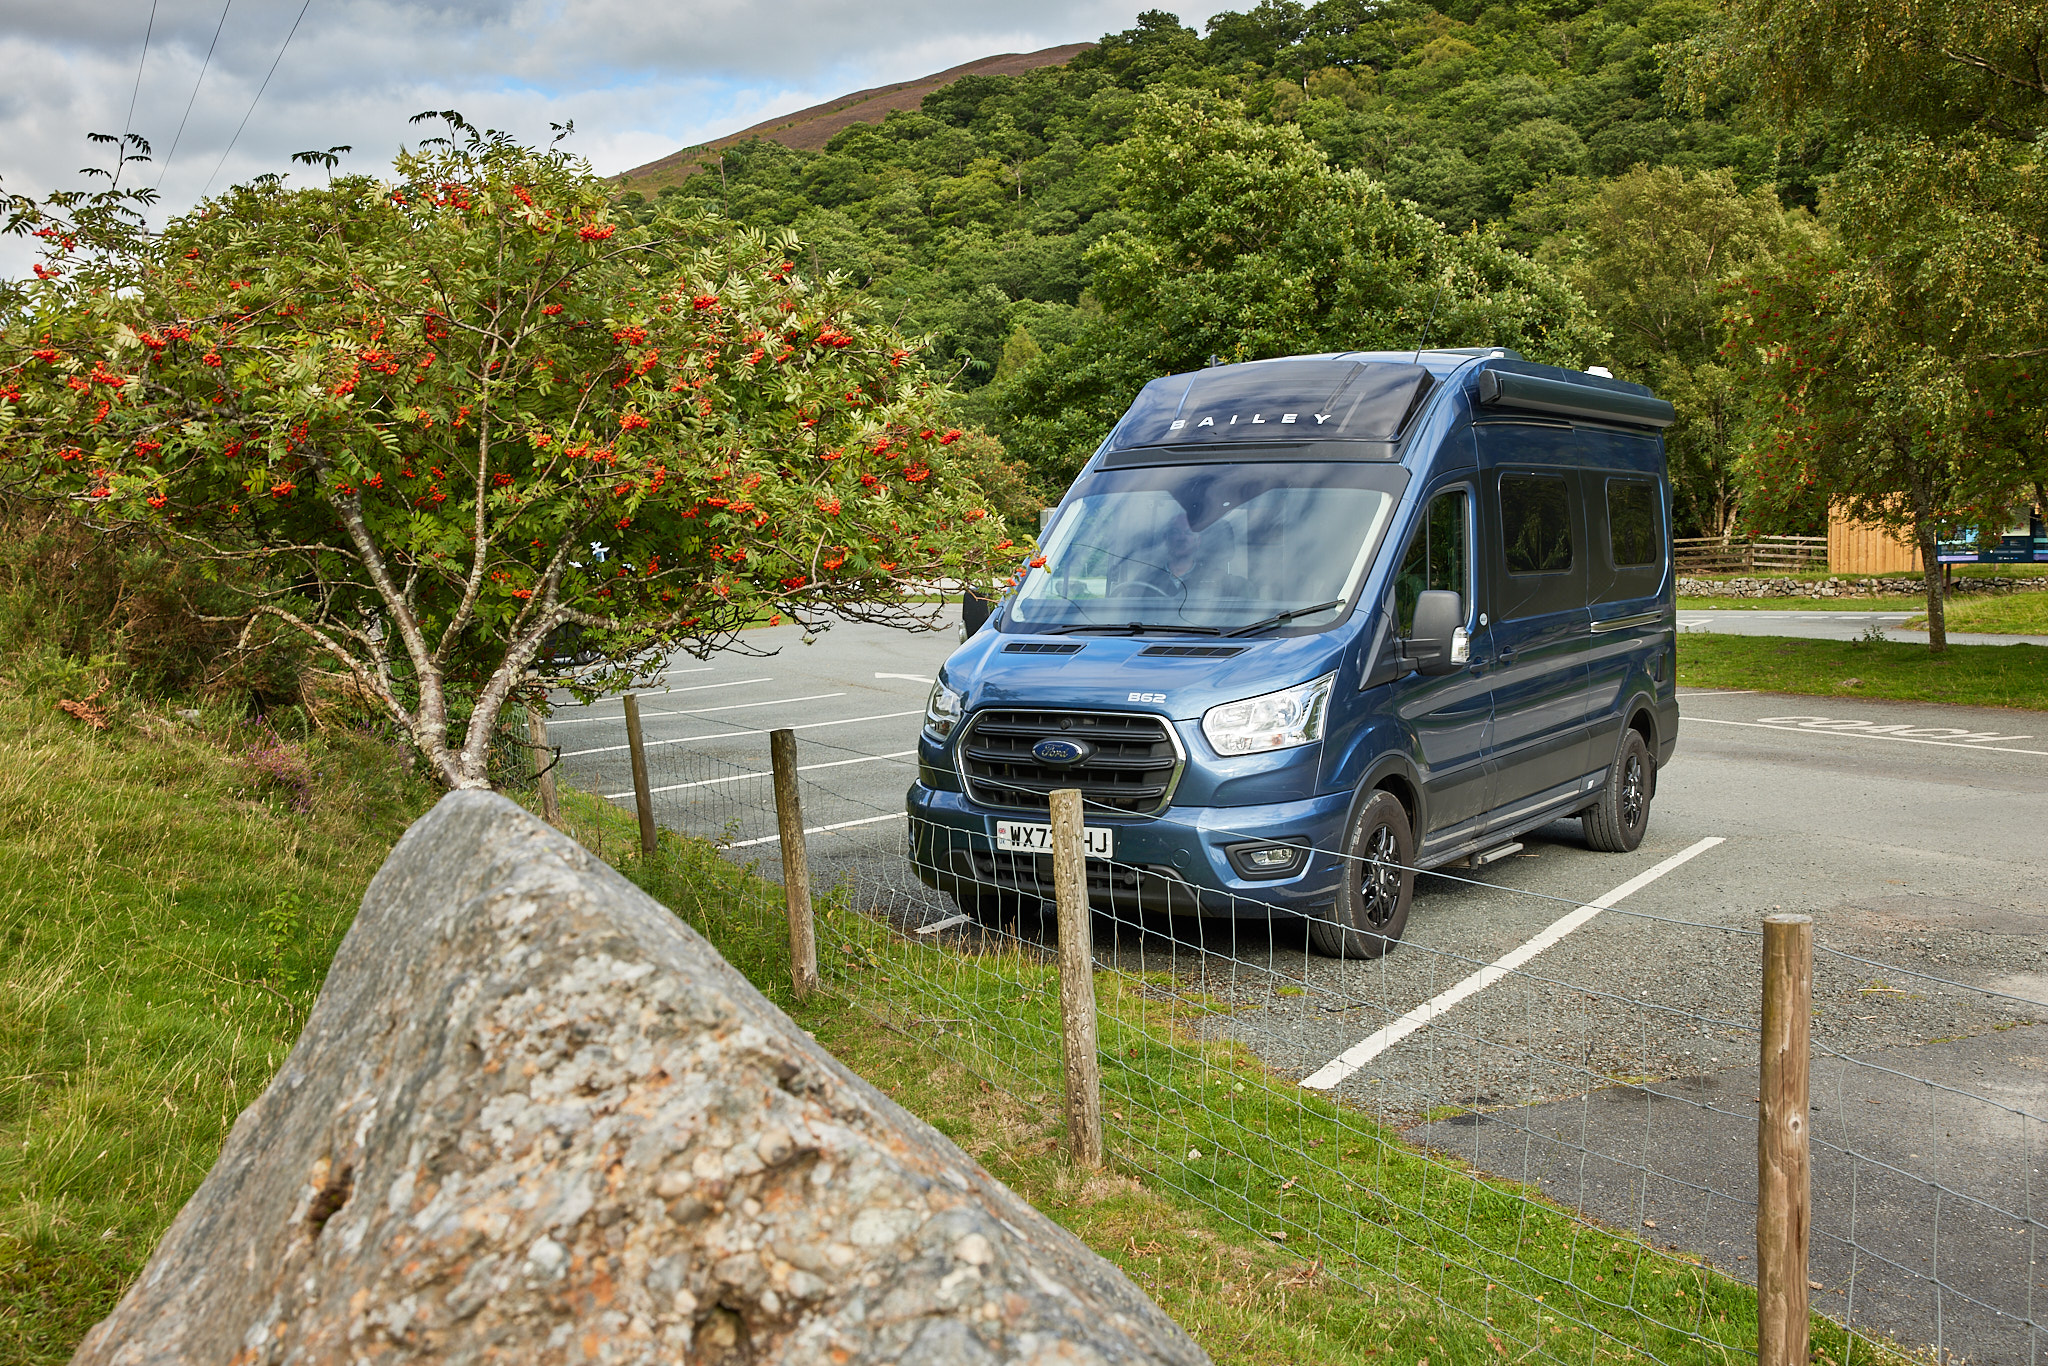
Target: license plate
pixel 1037 839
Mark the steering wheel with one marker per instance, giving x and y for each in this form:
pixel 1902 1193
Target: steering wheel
pixel 1146 586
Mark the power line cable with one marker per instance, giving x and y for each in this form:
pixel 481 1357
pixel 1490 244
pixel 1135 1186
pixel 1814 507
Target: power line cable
pixel 166 169
pixel 259 97
pixel 121 148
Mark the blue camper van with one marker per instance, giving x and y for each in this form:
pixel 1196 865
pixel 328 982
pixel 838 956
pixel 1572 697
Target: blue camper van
pixel 1305 626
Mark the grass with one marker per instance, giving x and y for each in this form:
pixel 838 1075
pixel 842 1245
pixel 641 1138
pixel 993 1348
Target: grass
pixel 1961 571
pixel 172 898
pixel 1273 1225
pixel 1970 675
pixel 1794 604
pixel 2016 614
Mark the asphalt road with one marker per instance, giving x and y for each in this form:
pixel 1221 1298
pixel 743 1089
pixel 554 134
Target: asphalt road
pixel 1829 625
pixel 1616 1067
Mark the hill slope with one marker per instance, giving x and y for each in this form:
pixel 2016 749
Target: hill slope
pixel 810 129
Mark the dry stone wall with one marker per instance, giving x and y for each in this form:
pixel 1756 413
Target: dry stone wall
pixel 536 1119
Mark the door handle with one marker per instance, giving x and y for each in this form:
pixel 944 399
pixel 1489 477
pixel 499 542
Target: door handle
pixel 1505 656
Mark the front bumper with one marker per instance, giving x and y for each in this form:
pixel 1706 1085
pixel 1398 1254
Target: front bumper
pixel 1174 863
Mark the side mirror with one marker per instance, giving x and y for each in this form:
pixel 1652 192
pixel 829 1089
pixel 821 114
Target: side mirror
pixel 1439 644
pixel 974 610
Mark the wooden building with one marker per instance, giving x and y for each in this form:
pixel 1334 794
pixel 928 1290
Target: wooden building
pixel 1859 548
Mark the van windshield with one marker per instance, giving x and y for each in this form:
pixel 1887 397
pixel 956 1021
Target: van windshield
pixel 1209 548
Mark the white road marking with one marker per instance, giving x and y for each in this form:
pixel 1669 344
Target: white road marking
pixel 1357 1056
pixel 706 711
pixel 1862 734
pixel 914 678
pixel 821 829
pixel 748 777
pixel 1724 692
pixel 738 734
pixel 671 673
pixel 670 692
pixel 948 923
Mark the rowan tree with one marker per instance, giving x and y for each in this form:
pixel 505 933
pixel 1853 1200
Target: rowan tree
pixel 454 413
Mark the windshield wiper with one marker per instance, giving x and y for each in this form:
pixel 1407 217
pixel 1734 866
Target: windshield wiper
pixel 1132 627
pixel 1279 618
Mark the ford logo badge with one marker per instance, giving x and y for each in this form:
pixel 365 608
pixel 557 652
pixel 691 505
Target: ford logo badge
pixel 1061 753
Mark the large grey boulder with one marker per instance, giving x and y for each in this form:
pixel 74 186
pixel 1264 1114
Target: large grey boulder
pixel 536 1119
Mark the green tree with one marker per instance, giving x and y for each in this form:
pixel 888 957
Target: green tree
pixel 1653 252
pixel 1859 402
pixel 455 414
pixel 1938 306
pixel 1249 244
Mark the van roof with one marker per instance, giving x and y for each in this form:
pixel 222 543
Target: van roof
pixel 1356 396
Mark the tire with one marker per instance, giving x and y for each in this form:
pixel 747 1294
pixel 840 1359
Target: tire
pixel 1615 824
pixel 1371 911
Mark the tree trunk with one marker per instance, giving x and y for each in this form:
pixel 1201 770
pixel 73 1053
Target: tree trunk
pixel 1930 570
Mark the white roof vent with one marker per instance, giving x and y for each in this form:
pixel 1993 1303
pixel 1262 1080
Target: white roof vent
pixel 1600 370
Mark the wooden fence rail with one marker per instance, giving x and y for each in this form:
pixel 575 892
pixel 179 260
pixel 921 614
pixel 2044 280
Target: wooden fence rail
pixel 1712 555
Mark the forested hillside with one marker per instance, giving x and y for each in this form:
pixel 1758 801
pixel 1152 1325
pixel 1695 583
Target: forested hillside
pixel 1029 221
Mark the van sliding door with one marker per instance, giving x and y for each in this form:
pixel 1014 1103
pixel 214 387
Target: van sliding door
pixel 1540 624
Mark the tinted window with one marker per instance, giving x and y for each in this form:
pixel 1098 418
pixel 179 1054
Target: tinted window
pixel 1436 557
pixel 1634 536
pixel 1536 523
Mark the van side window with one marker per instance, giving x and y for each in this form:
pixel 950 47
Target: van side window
pixel 1634 535
pixel 1437 557
pixel 1536 523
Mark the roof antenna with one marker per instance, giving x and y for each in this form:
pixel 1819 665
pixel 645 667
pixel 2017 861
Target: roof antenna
pixel 1423 345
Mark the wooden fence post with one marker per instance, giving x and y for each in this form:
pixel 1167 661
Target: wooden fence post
pixel 544 765
pixel 641 799
pixel 796 865
pixel 1077 979
pixel 1784 1155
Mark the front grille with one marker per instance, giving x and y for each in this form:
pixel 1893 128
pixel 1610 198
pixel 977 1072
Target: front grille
pixel 1132 768
pixel 1193 651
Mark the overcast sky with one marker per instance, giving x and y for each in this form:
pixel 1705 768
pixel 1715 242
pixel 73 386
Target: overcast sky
pixel 639 79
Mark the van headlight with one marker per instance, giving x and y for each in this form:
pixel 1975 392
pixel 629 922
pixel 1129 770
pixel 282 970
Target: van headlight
pixel 942 711
pixel 1276 720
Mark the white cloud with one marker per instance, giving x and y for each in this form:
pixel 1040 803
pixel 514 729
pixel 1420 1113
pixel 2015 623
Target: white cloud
pixel 639 80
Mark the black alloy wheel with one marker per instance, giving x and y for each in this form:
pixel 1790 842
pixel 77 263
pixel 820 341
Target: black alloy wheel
pixel 1615 824
pixel 1371 910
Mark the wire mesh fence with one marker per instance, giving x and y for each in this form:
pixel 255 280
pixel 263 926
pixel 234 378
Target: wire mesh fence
pixel 1557 1148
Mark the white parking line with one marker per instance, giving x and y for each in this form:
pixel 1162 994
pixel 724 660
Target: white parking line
pixel 1357 1056
pixel 738 734
pixel 912 678
pixel 821 829
pixel 1724 692
pixel 670 692
pixel 1862 734
pixel 748 777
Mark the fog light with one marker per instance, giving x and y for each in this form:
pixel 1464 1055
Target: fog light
pixel 1277 859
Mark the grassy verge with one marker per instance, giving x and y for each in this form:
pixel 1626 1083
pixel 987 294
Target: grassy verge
pixel 172 898
pixel 1274 1226
pixel 1886 604
pixel 1970 675
pixel 1960 571
pixel 2016 614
